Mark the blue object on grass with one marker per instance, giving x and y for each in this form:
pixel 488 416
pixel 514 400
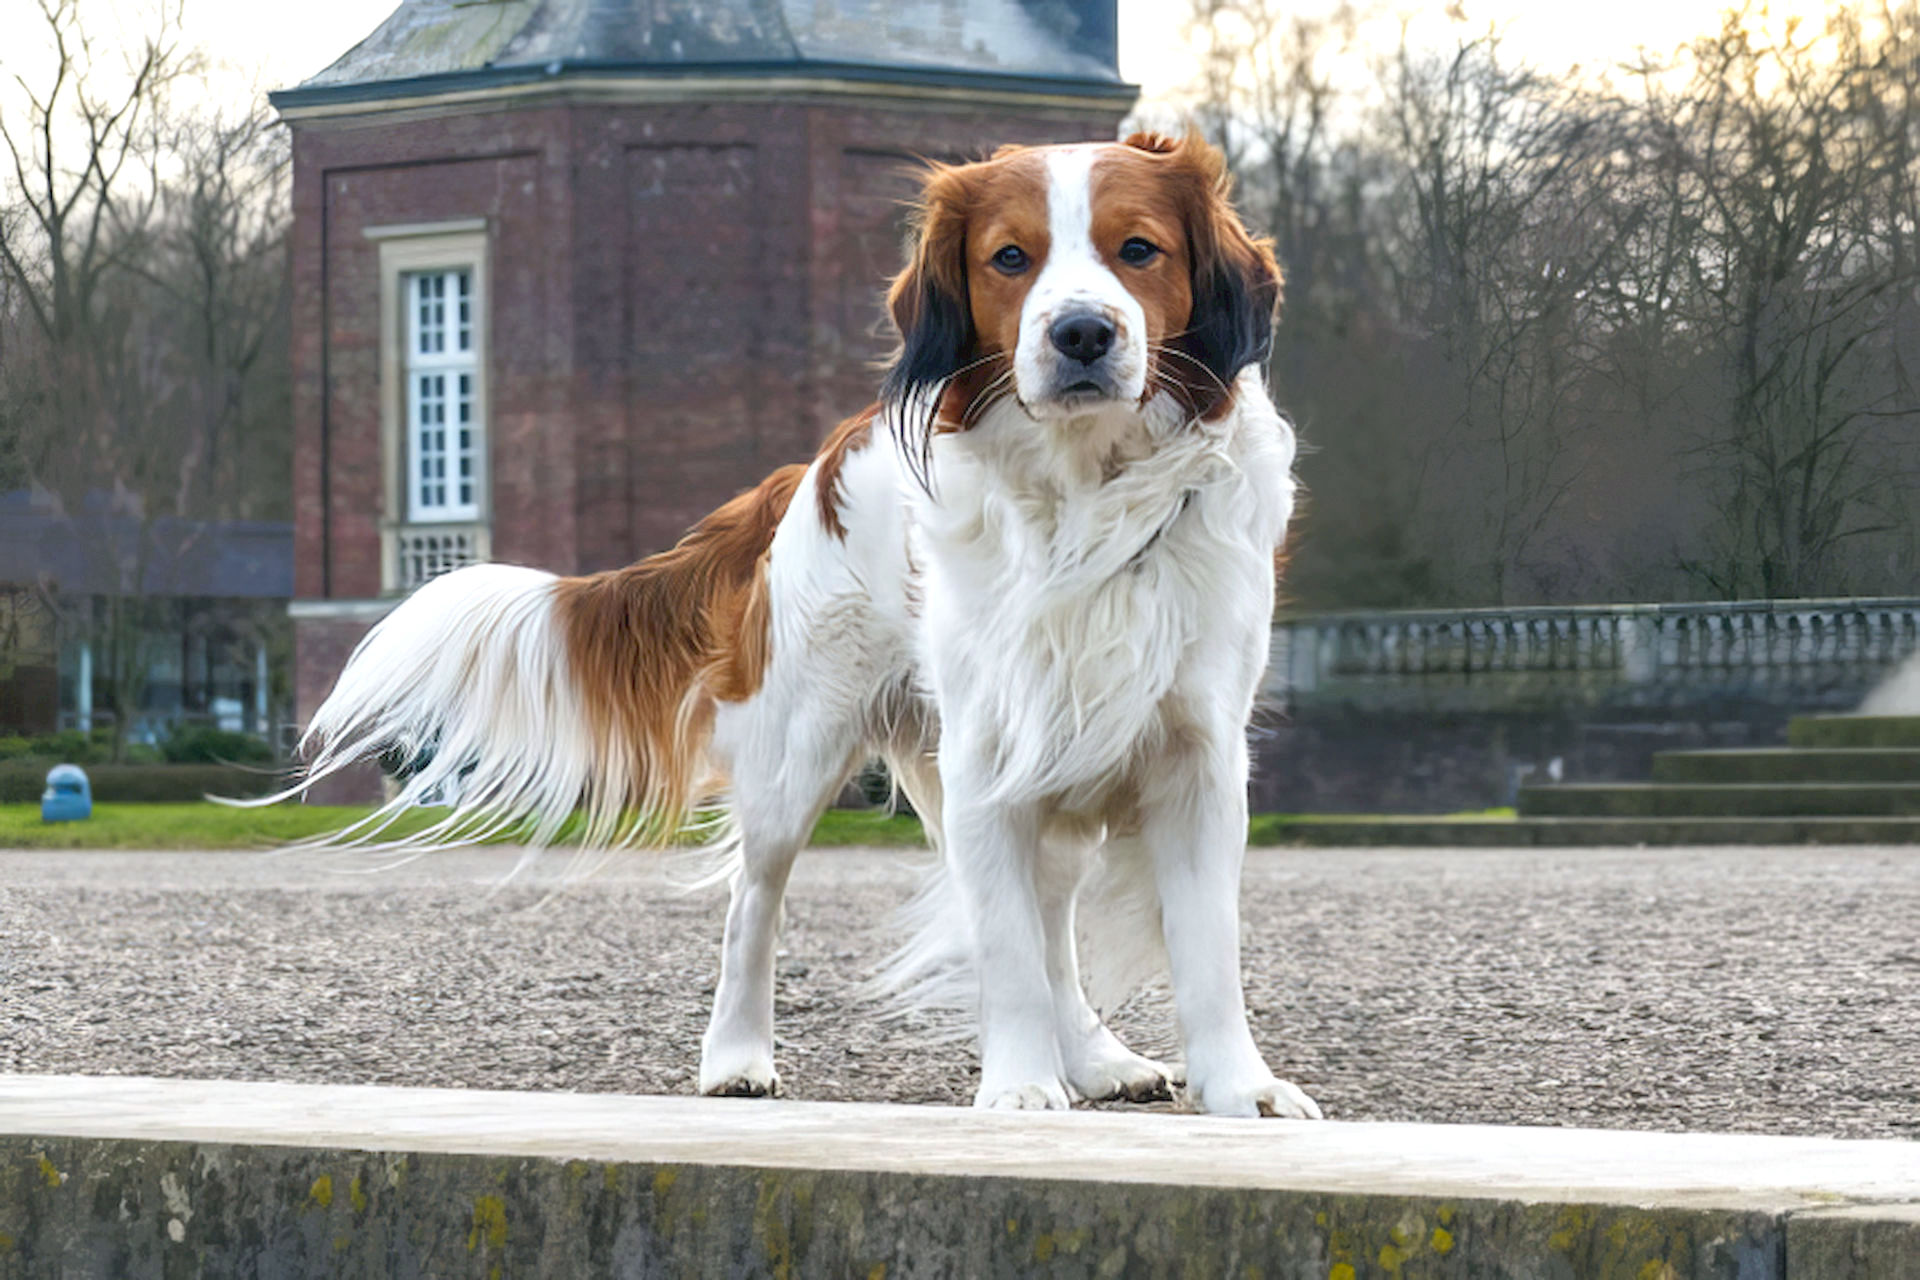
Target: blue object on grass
pixel 68 797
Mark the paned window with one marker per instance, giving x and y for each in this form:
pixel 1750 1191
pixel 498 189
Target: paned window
pixel 444 446
pixel 434 463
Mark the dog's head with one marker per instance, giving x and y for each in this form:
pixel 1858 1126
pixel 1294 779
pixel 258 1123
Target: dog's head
pixel 1080 279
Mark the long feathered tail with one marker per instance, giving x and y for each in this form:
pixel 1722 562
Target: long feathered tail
pixel 536 706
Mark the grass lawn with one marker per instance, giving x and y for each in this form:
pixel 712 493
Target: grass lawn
pixel 212 826
pixel 173 826
pixel 1271 828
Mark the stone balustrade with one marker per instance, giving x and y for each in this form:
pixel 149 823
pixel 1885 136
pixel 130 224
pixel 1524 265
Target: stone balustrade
pixel 1823 652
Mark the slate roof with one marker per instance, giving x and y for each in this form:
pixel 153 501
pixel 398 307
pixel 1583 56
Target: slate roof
pixel 1058 46
pixel 95 551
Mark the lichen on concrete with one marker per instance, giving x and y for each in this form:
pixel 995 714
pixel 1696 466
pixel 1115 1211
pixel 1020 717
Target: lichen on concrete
pixel 276 1210
pixel 1856 1242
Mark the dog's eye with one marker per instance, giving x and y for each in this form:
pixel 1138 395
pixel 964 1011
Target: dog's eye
pixel 1011 259
pixel 1138 253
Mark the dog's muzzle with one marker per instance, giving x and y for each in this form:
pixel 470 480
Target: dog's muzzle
pixel 1082 371
pixel 1083 336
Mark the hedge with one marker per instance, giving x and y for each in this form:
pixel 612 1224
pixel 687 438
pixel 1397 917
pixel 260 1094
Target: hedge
pixel 184 744
pixel 22 781
pixel 204 744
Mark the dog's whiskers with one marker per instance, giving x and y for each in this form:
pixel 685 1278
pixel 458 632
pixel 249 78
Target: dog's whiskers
pixel 989 395
pixel 1163 349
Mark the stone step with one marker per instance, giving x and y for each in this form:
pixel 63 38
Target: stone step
pixel 215 1178
pixel 1737 800
pixel 1854 731
pixel 1497 833
pixel 1790 764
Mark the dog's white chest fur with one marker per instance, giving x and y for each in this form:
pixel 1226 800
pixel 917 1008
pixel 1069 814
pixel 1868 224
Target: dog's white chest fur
pixel 1069 590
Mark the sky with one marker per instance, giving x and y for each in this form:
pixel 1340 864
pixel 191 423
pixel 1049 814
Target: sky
pixel 1552 34
pixel 260 45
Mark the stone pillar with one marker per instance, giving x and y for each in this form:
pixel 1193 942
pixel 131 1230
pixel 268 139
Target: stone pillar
pixel 1639 648
pixel 1303 656
pixel 260 725
pixel 83 688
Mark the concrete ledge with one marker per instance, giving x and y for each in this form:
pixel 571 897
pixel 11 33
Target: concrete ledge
pixel 1853 731
pixel 132 1177
pixel 1514 833
pixel 1722 800
pixel 1860 1242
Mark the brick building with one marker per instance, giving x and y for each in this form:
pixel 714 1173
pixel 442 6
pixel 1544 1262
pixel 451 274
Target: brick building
pixel 569 274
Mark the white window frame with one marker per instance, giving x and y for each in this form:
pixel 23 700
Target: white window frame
pixel 442 449
pixel 415 540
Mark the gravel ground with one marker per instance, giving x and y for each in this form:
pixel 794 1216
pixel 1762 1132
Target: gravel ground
pixel 1769 990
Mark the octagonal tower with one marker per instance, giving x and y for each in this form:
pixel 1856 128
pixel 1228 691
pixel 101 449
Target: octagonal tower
pixel 570 273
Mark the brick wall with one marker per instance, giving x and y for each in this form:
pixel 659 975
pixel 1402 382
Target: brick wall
pixel 320 649
pixel 508 167
pixel 683 297
pixel 30 699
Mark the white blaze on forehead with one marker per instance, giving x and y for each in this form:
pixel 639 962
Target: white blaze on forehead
pixel 1070 207
pixel 1077 278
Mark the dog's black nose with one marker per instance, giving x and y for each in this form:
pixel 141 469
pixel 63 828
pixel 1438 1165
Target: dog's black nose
pixel 1082 336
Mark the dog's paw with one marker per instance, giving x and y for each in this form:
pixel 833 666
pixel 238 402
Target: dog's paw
pixel 744 1087
pixel 1119 1075
pixel 1277 1099
pixel 1029 1096
pixel 749 1076
pixel 1285 1100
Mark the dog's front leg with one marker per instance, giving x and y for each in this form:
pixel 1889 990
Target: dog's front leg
pixel 990 852
pixel 1196 829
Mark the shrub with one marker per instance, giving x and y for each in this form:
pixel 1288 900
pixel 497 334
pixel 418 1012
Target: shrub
pixel 70 746
pixel 22 781
pixel 73 746
pixel 204 744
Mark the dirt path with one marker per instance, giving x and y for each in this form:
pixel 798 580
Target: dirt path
pixel 1769 990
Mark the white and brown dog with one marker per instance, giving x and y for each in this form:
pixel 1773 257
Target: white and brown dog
pixel 1036 579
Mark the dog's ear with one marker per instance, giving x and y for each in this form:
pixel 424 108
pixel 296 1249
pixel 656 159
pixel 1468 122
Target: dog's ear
pixel 1158 144
pixel 928 300
pixel 1236 281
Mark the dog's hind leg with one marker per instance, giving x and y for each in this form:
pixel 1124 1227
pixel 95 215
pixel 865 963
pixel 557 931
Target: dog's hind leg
pixel 917 774
pixel 1097 1065
pixel 782 783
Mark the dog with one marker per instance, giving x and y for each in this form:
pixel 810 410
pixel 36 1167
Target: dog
pixel 1036 578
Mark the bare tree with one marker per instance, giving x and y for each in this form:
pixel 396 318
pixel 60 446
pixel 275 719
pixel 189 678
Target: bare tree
pixel 1281 91
pixel 1548 339
pixel 1793 187
pixel 1439 221
pixel 145 376
pixel 1502 187
pixel 213 266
